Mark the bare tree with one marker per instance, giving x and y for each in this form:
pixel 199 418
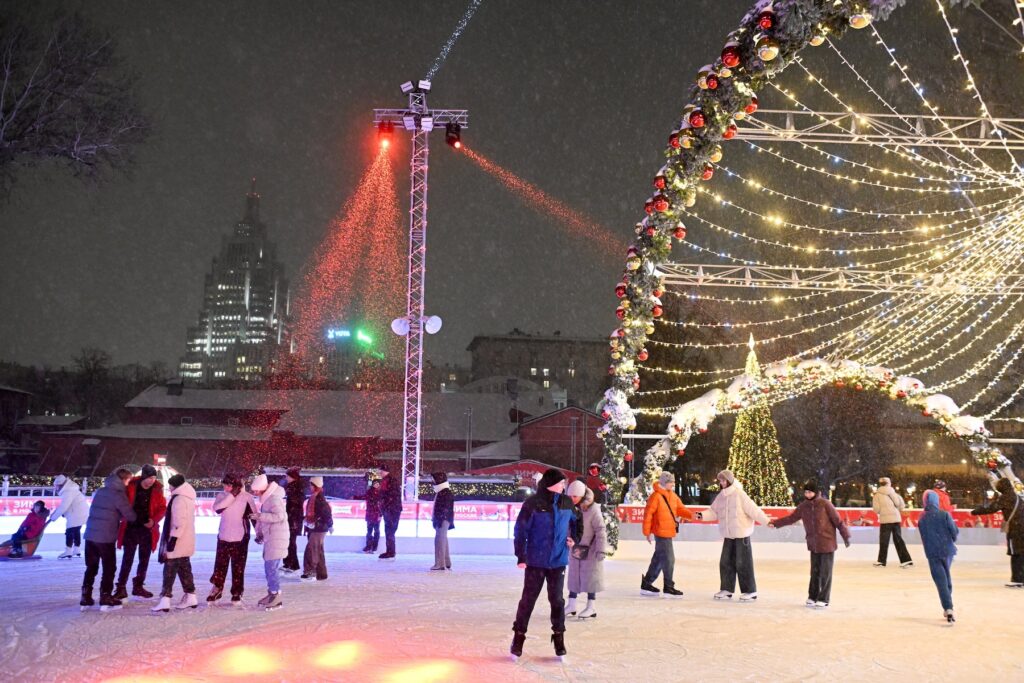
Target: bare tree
pixel 63 98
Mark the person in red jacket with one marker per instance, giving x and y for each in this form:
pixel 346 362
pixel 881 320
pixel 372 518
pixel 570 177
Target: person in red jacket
pixel 32 527
pixel 146 496
pixel 939 489
pixel 596 484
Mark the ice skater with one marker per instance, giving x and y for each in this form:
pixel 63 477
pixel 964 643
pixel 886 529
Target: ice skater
pixel 236 509
pixel 295 504
pixel 544 535
pixel 74 508
pixel 736 514
pixel 596 484
pixel 662 516
pixel 586 560
pixel 391 509
pixel 888 505
pixel 443 519
pixel 939 489
pixel 372 516
pixel 272 533
pixel 318 523
pixel 1009 503
pixel 146 496
pixel 821 521
pixel 109 506
pixel 938 536
pixel 178 544
pixel 31 527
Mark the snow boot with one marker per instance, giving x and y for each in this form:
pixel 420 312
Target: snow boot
pixel 120 593
pixel 86 602
pixel 722 595
pixel 517 644
pixel 163 606
pixel 558 640
pixel 108 602
pixel 671 592
pixel 139 591
pixel 589 612
pixel 188 600
pixel 570 607
pixel 949 616
pixel 275 601
pixel 646 588
pixel 216 593
pixel 66 555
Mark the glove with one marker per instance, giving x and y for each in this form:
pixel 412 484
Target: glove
pixel 171 543
pixel 259 539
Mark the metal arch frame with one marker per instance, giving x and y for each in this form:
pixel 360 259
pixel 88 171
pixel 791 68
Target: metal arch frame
pixel 787 125
pixel 413 386
pixel 836 280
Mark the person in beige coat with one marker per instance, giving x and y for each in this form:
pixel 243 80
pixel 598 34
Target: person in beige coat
pixel 586 574
pixel 736 514
pixel 888 505
pixel 178 544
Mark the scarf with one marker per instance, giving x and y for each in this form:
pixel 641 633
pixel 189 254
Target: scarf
pixel 311 506
pixel 440 487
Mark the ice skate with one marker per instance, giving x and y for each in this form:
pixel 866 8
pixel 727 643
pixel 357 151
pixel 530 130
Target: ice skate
pixel 188 600
pixel 646 588
pixel 878 564
pixel 386 556
pixel 141 592
pixel 120 593
pixel 558 640
pixel 589 612
pixel 570 607
pixel 236 601
pixel 66 555
pixel 307 578
pixel 748 597
pixel 275 602
pixel 262 602
pixel 722 595
pixel 907 564
pixel 1015 584
pixel 78 551
pixel 810 603
pixel 949 616
pixel 108 603
pixel 163 606
pixel 517 645
pixel 86 602
pixel 216 593
pixel 820 604
pixel 671 592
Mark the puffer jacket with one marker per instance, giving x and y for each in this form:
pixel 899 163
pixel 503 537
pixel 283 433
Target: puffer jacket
pixel 322 517
pixel 33 525
pixel 295 503
pixel 157 510
pixel 662 508
pixel 109 506
pixel 391 496
pixel 444 507
pixel 235 513
pixel 937 528
pixel 587 576
pixel 180 524
pixel 735 512
pixel 887 504
pixel 544 523
pixel 73 505
pixel 1012 507
pixel 821 521
pixel 272 523
pixel 373 496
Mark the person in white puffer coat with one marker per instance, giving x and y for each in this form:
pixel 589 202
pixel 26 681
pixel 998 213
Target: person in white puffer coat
pixel 75 508
pixel 736 514
pixel 272 532
pixel 178 545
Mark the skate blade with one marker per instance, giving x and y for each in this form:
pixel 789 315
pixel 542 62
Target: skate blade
pixel 271 609
pixel 589 616
pixel 106 608
pixel 83 608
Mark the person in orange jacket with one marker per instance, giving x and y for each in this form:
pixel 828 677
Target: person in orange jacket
pixel 662 515
pixel 146 496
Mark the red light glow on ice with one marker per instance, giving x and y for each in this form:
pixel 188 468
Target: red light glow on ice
pixel 576 223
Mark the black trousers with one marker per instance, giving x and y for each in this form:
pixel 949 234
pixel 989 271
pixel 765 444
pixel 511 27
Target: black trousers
pixel 233 553
pixel 1016 566
pixel 892 529
pixel 73 536
pixel 533 582
pixel 292 560
pixel 737 560
pixel 136 538
pixel 820 588
pixel 372 535
pixel 178 568
pixel 96 553
pixel 390 527
pixel 17 539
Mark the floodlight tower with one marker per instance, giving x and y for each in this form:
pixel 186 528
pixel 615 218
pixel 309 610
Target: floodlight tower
pixel 419 120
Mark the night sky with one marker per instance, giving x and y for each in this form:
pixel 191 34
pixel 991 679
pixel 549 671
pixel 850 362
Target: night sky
pixel 575 97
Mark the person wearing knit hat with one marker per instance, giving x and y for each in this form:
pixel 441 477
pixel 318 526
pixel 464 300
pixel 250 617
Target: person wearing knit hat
pixel 75 509
pixel 577 490
pixel 546 530
pixel 736 514
pixel 443 520
pixel 662 516
pixel 295 505
pixel 319 522
pixel 146 496
pixel 821 521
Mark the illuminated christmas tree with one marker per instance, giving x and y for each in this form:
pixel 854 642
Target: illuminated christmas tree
pixel 754 456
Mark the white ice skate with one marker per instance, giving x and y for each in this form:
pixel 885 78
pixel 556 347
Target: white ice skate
pixel 810 603
pixel 163 606
pixel 589 612
pixel 188 600
pixel 723 595
pixel 274 602
pixel 570 607
pixel 66 555
pixel 820 604
pixel 748 597
pixel 78 551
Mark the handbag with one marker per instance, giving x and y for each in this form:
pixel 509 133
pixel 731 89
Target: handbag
pixel 580 552
pixel 674 518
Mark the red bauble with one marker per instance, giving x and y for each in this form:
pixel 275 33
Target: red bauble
pixel 673 139
pixel 628 457
pixel 730 132
pixel 658 292
pixel 991 464
pixel 858 386
pixel 926 413
pixel 736 406
pixel 642 356
pixel 901 394
pixel 660 203
pixel 659 181
pixel 731 54
pixel 620 290
pixel 620 312
pixel 703 430
pixel 712 81
pixel 752 106
pixel 680 452
pixel 611 369
pixel 696 118
pixel 656 311
pixel 766 20
pixel 765 390
pixel 605 414
pixel 621 332
pixel 649 207
pixel 840 384
pixel 679 233
pixel 708 172
pixel 636 383
pixel 651 231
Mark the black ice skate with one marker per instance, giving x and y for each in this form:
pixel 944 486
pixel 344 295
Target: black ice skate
pixel 558 639
pixel 86 601
pixel 109 603
pixel 517 644
pixel 140 591
pixel 216 593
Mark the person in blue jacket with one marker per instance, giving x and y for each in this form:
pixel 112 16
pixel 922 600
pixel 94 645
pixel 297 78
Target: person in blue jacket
pixel 545 532
pixel 938 536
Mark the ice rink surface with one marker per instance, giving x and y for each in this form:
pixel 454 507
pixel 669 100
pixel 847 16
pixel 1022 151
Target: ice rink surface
pixel 396 621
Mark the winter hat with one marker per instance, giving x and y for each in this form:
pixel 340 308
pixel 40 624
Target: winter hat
pixel 147 472
pixel 260 483
pixel 293 472
pixel 884 481
pixel 811 485
pixel 60 480
pixel 577 488
pixel 439 477
pixel 939 484
pixel 550 478
pixel 728 476
pixel 589 498
pixel 666 479
pixel 317 482
pixel 594 465
pixel 177 480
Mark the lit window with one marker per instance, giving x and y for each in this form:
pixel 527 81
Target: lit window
pixel 547 384
pixel 546 372
pixel 451 377
pixel 572 372
pixel 533 372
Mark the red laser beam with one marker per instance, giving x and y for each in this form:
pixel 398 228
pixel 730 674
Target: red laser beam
pixel 576 223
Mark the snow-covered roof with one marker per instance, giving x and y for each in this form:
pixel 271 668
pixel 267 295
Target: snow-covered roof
pixel 157 396
pixel 202 432
pixel 508 449
pixel 50 420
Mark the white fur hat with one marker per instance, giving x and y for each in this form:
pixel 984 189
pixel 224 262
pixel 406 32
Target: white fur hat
pixel 317 482
pixel 577 488
pixel 60 480
pixel 260 483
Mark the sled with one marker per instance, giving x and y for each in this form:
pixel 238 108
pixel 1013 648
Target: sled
pixel 28 546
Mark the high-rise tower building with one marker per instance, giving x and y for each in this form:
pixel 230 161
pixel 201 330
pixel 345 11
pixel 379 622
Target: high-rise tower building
pixel 245 313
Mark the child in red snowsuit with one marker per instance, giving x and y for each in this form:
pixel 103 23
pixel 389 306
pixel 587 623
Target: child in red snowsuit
pixel 32 527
